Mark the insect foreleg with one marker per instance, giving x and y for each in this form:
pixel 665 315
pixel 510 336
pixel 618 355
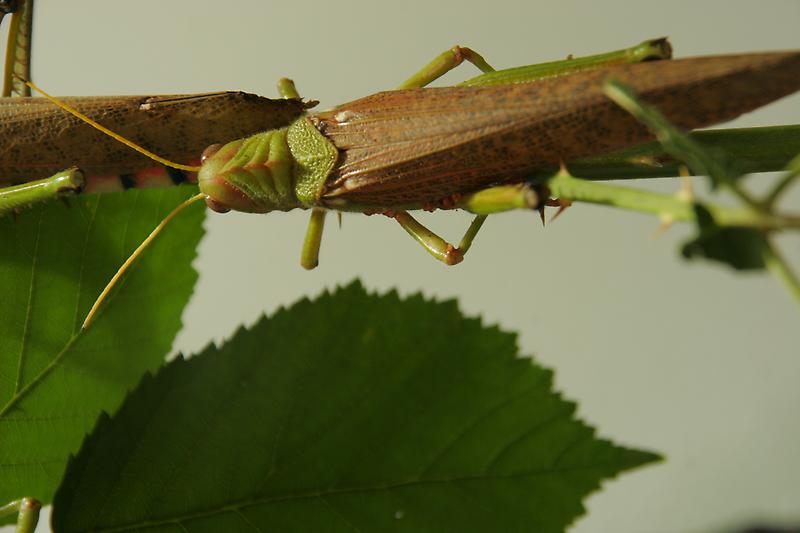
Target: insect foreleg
pixel 62 184
pixel 309 257
pixel 444 63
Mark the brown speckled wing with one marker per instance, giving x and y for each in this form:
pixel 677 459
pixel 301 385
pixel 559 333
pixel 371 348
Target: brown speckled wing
pixel 416 146
pixel 38 139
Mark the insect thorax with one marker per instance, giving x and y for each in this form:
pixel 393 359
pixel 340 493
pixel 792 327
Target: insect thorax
pixel 276 170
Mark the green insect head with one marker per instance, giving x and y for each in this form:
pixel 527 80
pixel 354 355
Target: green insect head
pixel 276 170
pixel 253 174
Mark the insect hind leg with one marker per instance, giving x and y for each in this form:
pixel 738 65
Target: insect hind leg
pixel 435 245
pixel 444 63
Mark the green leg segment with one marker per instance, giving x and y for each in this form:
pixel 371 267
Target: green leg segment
pixel 482 203
pixel 501 198
pixel 27 511
pixel 309 257
pixel 444 63
pixel 65 183
pixel 287 89
pixel 435 245
pixel 472 231
pixel 646 51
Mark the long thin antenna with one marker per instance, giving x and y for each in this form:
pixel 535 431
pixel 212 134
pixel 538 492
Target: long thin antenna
pixel 72 111
pixel 135 255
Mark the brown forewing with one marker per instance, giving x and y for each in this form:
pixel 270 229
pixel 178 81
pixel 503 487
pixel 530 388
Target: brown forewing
pixel 38 139
pixel 417 146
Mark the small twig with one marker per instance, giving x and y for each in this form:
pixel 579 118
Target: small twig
pixel 792 171
pixel 678 144
pixel 562 185
pixel 780 268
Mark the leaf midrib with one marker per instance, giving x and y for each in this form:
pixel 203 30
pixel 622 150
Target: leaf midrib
pixel 28 311
pixel 235 508
pixel 39 377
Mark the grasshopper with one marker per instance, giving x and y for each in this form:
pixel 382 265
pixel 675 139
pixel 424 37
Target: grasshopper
pixel 471 146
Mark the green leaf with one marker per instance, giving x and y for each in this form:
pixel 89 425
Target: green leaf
pixel 739 247
pixel 351 413
pixel 762 149
pixel 54 380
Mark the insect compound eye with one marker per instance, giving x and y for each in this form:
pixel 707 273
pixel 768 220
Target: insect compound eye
pixel 216 206
pixel 210 151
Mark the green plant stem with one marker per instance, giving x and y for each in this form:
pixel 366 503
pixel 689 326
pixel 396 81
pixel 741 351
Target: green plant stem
pixel 780 268
pixel 680 145
pixel 792 171
pixel 568 187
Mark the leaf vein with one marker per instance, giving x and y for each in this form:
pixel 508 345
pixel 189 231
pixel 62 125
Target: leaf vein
pixel 28 311
pixel 366 489
pixel 83 263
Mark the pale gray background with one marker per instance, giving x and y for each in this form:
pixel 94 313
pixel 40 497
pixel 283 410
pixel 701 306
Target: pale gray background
pixel 688 359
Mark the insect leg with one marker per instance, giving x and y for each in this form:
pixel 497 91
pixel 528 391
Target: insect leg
pixel 653 49
pixel 472 231
pixel 309 257
pixel 501 198
pixel 64 183
pixel 18 51
pixel 27 511
pixel 482 203
pixel 287 89
pixel 444 63
pixel 435 245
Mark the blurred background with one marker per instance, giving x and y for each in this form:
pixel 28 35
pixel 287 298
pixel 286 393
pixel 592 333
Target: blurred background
pixel 689 359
